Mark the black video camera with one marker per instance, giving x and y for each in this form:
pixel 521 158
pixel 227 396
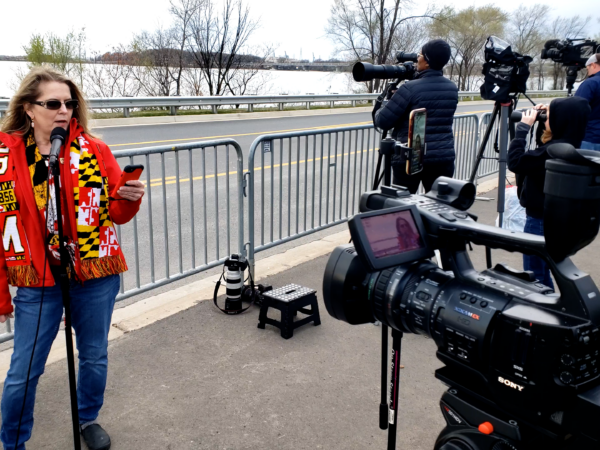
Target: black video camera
pixel 405 70
pixel 571 53
pixel 517 356
pixel 505 72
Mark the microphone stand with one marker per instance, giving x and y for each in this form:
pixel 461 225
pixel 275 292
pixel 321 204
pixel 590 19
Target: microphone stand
pixel 64 287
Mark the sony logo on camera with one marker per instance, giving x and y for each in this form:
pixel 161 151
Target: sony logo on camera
pixel 511 384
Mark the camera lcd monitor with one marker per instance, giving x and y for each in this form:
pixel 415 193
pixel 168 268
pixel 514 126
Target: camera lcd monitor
pixel 390 237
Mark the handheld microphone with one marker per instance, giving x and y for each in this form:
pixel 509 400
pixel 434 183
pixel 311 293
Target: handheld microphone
pixel 57 138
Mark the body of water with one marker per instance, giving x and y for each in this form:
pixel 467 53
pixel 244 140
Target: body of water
pixel 273 82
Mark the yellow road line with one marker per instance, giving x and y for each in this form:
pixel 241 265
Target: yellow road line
pixel 262 132
pixel 238 135
pixel 172 180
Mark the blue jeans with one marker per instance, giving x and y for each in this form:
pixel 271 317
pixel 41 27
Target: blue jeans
pixel 91 310
pixel 534 263
pixel 590 146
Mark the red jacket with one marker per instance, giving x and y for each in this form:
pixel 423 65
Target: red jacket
pixel 120 211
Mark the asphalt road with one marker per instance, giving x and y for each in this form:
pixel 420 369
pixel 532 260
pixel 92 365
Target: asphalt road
pixel 302 183
pixel 243 131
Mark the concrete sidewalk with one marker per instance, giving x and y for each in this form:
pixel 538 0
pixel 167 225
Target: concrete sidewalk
pixel 198 379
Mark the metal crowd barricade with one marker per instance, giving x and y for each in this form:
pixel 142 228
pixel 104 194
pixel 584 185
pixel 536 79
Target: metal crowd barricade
pixel 189 214
pixel 489 164
pixel 303 182
pixel 466 140
pixel 299 183
pixel 306 181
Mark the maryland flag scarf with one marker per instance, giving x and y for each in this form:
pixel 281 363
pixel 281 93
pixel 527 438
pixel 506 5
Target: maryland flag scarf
pixel 95 246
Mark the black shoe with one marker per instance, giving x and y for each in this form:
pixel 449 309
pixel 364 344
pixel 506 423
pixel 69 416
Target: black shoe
pixel 95 437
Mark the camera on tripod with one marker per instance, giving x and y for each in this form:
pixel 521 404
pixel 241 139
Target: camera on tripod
pixel 518 358
pixel 505 72
pixel 405 70
pixel 571 53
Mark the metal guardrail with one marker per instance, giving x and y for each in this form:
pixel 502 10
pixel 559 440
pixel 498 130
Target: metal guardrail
pixel 127 103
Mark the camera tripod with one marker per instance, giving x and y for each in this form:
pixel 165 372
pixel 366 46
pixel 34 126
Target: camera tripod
pixel 388 413
pixel 501 115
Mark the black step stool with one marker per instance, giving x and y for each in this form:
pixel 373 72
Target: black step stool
pixel 289 300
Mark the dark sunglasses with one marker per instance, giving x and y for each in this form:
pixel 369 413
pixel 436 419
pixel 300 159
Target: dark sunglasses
pixel 54 105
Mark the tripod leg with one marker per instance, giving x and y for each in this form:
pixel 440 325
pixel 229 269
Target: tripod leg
pixel 484 142
pixel 383 406
pixel 394 388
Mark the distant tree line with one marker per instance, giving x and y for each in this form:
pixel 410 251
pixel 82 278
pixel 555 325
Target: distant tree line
pixel 374 30
pixel 205 50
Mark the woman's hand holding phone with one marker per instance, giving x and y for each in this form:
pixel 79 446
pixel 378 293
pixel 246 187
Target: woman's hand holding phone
pixel 132 191
pixel 129 187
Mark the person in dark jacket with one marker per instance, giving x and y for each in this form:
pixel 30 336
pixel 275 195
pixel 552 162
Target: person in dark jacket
pixel 429 89
pixel 590 90
pixel 566 123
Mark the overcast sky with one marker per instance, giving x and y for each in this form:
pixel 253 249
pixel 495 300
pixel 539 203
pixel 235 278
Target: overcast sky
pixel 295 25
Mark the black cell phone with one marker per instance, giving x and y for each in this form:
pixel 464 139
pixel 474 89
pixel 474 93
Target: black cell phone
pixel 416 141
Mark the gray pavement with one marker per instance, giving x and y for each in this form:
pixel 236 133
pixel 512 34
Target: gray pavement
pixel 203 380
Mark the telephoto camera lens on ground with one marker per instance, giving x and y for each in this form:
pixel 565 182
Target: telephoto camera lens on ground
pixel 234 282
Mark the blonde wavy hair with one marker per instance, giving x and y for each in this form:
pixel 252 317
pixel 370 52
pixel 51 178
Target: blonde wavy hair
pixel 17 120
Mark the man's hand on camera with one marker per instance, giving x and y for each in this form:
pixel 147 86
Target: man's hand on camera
pixel 391 90
pixel 541 107
pixel 529 116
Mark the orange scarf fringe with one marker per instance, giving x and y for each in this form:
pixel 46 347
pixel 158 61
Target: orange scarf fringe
pixel 22 276
pixel 102 267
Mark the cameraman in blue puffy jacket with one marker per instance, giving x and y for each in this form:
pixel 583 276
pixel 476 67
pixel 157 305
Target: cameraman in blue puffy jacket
pixel 429 89
pixel 590 90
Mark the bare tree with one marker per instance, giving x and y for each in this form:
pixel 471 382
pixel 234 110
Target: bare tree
pixel 156 52
pixel 183 11
pixel 466 31
pixel 526 34
pixel 371 30
pixel 218 40
pixel 114 75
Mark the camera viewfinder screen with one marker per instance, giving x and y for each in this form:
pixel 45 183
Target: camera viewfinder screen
pixel 392 234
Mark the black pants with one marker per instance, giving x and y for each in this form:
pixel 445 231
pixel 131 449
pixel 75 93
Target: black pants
pixel 428 175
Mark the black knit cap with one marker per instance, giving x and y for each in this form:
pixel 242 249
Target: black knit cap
pixel 436 53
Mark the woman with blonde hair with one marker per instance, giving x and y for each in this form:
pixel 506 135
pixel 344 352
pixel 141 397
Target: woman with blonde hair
pixel 29 257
